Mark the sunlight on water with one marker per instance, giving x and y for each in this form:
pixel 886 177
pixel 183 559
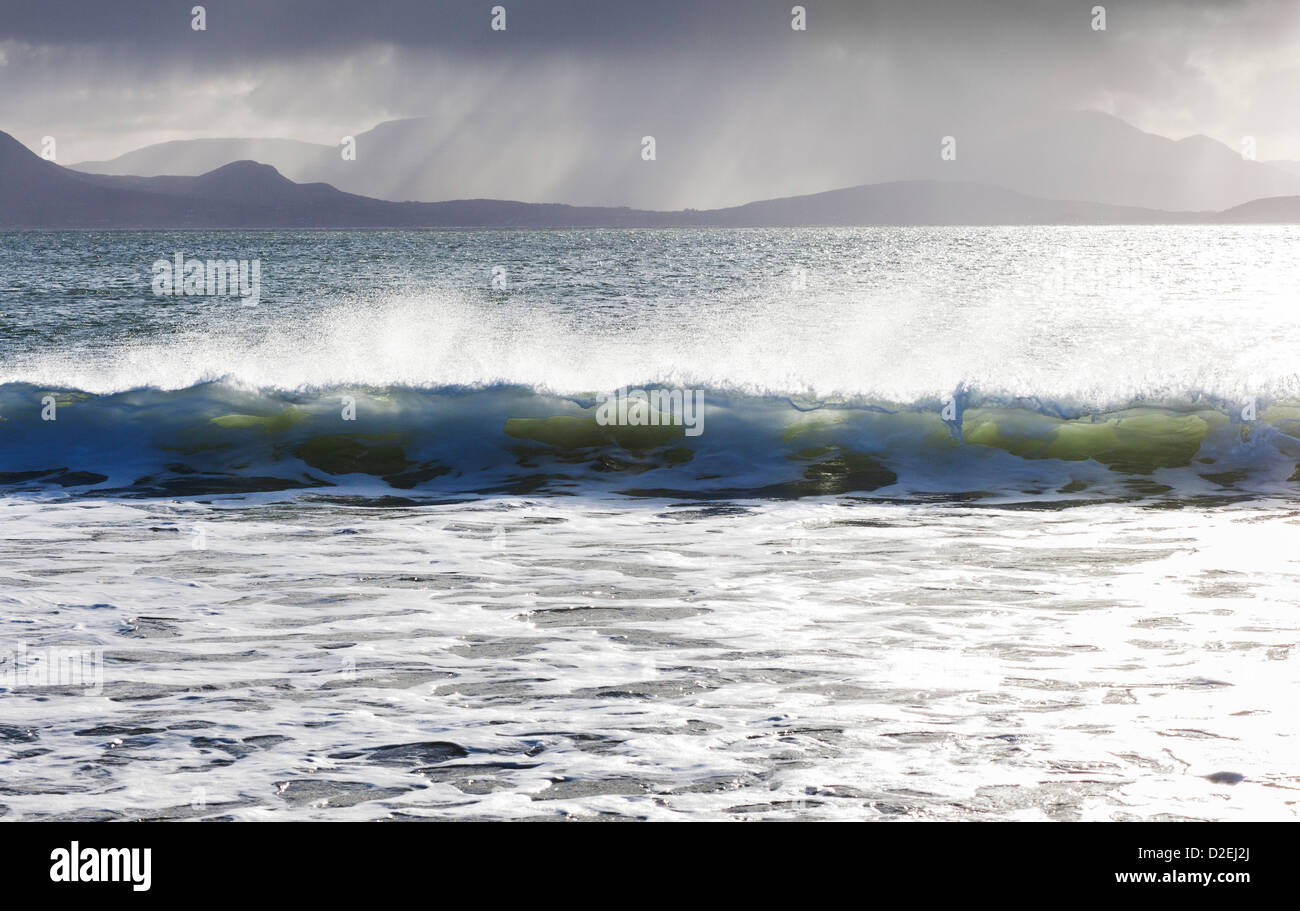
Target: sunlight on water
pixel 519 658
pixel 1099 316
pixel 1071 598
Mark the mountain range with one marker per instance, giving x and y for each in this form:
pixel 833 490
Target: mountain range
pixel 39 194
pixel 1078 155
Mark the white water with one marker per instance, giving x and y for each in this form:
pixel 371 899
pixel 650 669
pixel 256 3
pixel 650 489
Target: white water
pixel 1096 317
pixel 824 659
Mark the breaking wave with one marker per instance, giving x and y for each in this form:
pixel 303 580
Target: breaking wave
pixel 221 437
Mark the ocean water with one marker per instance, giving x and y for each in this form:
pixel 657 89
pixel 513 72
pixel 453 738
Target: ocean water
pixel 973 523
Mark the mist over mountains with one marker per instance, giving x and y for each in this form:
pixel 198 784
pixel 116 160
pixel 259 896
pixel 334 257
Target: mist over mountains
pixel 1084 156
pixel 1076 169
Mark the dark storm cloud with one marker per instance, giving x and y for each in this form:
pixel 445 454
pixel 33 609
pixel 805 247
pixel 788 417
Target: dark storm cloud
pixel 256 28
pixel 742 105
pixel 249 29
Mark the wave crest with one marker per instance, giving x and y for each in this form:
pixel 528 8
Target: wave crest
pixel 220 437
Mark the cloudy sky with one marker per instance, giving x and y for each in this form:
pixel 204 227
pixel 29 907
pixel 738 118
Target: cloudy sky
pixel 732 94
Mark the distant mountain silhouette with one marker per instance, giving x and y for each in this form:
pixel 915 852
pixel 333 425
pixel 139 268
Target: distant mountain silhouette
pixel 1276 210
pixel 1077 155
pixel 928 202
pixel 1100 158
pixel 35 193
pixel 40 194
pixel 1290 167
pixel 192 157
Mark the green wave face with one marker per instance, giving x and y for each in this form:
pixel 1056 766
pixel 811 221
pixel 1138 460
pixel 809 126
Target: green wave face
pixel 1139 440
pixel 217 439
pixel 568 432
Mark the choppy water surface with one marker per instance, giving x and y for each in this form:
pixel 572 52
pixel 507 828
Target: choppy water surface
pixel 1075 600
pixel 519 658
